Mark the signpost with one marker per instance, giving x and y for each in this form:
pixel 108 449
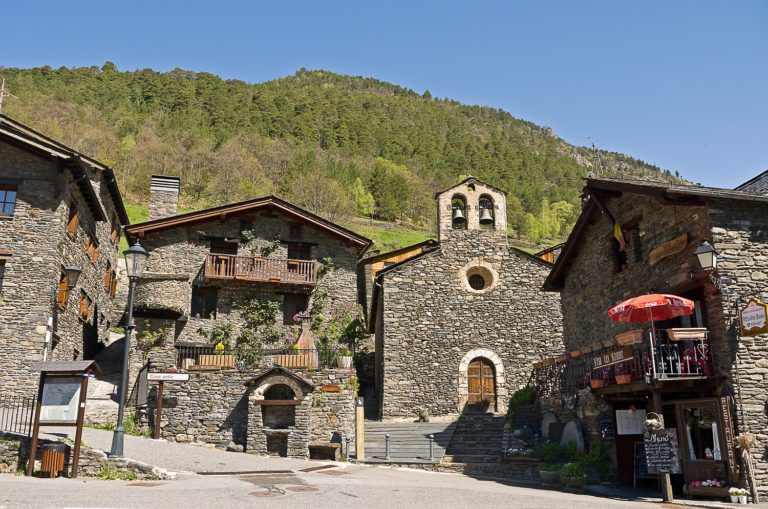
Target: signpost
pixel 754 318
pixel 161 378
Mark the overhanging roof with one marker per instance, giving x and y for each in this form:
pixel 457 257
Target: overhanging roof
pixel 377 257
pixel 266 203
pixel 469 180
pixel 664 193
pixel 26 137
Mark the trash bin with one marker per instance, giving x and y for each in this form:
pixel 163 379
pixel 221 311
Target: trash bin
pixel 53 459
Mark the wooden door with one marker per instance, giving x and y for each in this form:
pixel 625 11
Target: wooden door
pixel 482 384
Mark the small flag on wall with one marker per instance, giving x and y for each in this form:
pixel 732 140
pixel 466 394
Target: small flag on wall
pixel 619 234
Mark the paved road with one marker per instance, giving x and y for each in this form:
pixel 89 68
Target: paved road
pixel 354 486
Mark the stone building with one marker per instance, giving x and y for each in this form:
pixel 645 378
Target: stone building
pixel 59 209
pixel 698 374
pixel 457 325
pixel 261 279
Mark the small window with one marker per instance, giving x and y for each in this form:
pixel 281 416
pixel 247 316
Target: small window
pixel 294 231
pixel 204 302
pixel 476 282
pixel 221 247
pixel 7 199
pixel 114 235
pixel 2 274
pixel 108 278
pixel 294 304
pixel 72 220
pixel 62 292
pixel 299 252
pixel 92 248
pixel 113 287
pixel 86 306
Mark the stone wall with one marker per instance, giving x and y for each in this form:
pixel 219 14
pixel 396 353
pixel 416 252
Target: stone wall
pixel 39 247
pixel 217 408
pixel 431 324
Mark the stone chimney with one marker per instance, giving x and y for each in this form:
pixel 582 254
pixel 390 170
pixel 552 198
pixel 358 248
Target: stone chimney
pixel 163 196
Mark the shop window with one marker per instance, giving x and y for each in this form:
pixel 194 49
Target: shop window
pixel 8 199
pixel 293 304
pixel 204 302
pixel 701 432
pixel 73 219
pixel 2 274
pixel 86 306
pixel 62 292
pixel 92 247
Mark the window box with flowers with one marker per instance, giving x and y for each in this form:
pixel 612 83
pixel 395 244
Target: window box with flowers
pixel 707 488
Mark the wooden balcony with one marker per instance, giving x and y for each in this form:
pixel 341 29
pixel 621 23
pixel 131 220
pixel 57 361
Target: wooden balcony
pixel 253 268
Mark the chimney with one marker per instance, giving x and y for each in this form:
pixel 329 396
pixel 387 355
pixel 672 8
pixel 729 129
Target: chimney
pixel 163 196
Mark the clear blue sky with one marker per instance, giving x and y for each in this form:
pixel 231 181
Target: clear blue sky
pixel 681 84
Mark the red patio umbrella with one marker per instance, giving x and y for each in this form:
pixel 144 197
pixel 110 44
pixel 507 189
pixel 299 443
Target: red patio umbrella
pixel 649 308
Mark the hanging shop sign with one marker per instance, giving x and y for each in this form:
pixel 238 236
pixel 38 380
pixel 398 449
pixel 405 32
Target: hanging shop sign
pixel 662 452
pixel 613 357
pixel 754 318
pixel 668 249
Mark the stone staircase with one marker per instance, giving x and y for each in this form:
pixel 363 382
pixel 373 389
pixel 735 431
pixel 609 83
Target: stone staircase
pixel 476 444
pixel 409 442
pixel 101 406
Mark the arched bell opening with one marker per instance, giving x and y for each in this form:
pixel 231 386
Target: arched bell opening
pixel 487 212
pixel 459 212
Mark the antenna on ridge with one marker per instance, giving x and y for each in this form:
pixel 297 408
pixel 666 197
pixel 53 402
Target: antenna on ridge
pixel 4 94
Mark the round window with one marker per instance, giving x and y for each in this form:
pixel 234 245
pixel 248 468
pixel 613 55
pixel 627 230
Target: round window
pixel 476 282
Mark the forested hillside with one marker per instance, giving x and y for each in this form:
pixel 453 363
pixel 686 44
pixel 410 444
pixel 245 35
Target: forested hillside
pixel 341 146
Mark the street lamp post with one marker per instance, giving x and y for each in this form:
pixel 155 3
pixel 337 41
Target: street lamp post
pixel 135 262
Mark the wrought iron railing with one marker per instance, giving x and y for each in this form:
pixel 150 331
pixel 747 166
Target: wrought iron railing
pixel 676 354
pixel 254 268
pixel 16 414
pixel 205 358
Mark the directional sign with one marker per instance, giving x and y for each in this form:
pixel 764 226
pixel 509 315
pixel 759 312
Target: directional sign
pixel 168 377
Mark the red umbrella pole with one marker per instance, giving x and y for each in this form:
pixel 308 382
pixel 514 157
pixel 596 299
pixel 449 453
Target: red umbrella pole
pixel 653 351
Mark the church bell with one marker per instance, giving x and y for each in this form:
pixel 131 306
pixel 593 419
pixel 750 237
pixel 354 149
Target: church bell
pixel 485 216
pixel 458 215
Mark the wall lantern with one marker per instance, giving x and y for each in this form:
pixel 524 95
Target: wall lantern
pixel 707 256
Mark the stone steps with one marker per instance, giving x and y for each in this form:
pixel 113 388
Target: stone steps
pixel 477 440
pixel 408 440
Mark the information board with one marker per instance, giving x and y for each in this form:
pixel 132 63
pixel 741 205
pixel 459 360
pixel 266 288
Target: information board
pixel 662 453
pixel 61 396
pixel 630 422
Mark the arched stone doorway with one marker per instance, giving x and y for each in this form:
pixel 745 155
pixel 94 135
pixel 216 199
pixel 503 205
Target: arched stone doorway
pixel 481 378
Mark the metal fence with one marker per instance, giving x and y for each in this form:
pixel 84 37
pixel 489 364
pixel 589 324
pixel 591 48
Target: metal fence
pixel 17 414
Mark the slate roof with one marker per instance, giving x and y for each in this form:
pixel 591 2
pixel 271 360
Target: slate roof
pixel 65 366
pixel 278 370
pixel 757 185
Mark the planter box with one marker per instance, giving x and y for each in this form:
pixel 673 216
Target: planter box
pixel 697 333
pixel 296 361
pixel 597 383
pixel 706 491
pixel 623 379
pixel 221 361
pixel 550 478
pixel 630 338
pixel 344 361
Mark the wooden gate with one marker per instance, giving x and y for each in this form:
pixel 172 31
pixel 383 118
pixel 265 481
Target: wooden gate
pixel 481 393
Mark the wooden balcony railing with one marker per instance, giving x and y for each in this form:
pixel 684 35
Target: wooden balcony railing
pixel 676 354
pixel 253 268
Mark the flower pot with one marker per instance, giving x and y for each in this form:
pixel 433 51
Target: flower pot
pixel 597 383
pixel 742 499
pixel 623 379
pixel 549 478
pixel 344 361
pixel 576 483
pixel 734 499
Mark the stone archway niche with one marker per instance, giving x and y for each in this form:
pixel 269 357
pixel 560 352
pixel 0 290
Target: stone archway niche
pixel 502 396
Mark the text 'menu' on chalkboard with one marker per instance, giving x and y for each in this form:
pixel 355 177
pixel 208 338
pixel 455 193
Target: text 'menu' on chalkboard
pixel 662 452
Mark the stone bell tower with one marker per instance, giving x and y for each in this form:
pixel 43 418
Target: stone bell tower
pixel 472 208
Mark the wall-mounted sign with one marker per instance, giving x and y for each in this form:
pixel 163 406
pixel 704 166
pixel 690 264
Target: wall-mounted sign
pixel 612 357
pixel 668 249
pixel 754 318
pixel 168 377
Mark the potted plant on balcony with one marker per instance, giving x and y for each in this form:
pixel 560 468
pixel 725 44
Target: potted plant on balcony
pixel 343 356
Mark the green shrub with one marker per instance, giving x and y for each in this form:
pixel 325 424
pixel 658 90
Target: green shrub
pixel 523 396
pixel 575 469
pixel 550 467
pixel 110 473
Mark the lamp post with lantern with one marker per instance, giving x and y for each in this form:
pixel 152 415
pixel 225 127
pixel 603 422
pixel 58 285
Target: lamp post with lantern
pixel 135 263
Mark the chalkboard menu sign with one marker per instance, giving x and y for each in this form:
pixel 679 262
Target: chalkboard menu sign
pixel 662 453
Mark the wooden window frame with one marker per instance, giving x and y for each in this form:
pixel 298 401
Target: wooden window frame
pixel 62 292
pixel 92 247
pixel 5 201
pixel 86 306
pixel 207 293
pixel 113 286
pixel 73 220
pixel 108 278
pixel 289 305
pixel 114 234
